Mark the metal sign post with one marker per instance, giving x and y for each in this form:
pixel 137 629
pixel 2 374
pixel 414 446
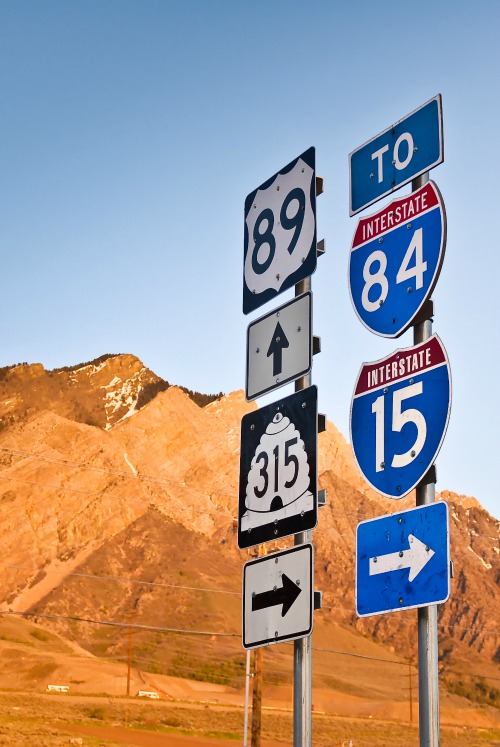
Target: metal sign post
pixel 428 653
pixel 278 494
pixel 392 274
pixel 302 650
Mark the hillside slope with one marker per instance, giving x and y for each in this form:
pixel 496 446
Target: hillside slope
pixel 151 498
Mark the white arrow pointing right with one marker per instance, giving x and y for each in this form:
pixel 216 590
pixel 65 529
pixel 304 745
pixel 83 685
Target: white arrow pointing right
pixel 415 559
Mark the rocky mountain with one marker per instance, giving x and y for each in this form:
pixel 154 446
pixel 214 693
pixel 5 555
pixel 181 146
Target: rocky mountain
pixel 102 392
pixel 116 510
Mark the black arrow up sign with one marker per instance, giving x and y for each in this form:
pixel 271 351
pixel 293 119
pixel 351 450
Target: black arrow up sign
pixel 278 343
pixel 285 595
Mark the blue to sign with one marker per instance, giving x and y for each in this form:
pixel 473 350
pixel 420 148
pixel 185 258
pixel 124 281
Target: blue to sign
pixel 396 156
pixel 403 560
pixel 399 415
pixel 395 260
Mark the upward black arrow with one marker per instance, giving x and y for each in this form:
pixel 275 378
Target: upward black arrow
pixel 278 343
pixel 285 595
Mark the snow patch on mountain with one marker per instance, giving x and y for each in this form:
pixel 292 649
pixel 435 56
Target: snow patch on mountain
pixel 125 456
pixel 486 565
pixel 124 394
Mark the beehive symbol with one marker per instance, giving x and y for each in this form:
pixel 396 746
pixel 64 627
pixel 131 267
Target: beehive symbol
pixel 278 480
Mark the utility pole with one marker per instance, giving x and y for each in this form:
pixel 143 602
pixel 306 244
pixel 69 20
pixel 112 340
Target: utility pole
pixel 410 687
pixel 257 684
pixel 129 655
pixel 247 693
pixel 411 690
pixel 288 476
pixel 257 698
pixel 302 650
pixel 428 679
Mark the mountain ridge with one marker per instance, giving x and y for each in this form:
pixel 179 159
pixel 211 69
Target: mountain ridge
pixel 75 391
pixel 76 498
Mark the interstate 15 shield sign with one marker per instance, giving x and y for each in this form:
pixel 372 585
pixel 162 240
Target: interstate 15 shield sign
pixel 395 260
pixel 399 415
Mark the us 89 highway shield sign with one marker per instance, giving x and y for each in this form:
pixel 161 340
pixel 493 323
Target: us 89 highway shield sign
pixel 280 232
pixel 399 415
pixel 278 469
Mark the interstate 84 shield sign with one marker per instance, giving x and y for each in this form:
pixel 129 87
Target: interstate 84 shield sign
pixel 278 469
pixel 280 232
pixel 395 260
pixel 399 415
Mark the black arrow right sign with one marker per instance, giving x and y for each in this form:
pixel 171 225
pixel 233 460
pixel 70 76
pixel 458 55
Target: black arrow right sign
pixel 278 597
pixel 284 595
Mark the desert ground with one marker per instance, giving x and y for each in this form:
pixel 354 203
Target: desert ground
pixel 363 702
pixel 53 720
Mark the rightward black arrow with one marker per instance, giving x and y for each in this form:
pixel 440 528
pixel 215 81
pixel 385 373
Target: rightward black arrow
pixel 285 595
pixel 278 343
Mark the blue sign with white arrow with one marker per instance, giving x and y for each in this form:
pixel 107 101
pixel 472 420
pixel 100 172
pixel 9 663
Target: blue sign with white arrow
pixel 395 260
pixel 396 156
pixel 403 560
pixel 399 415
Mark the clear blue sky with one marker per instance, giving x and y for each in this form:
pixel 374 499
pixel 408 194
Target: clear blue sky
pixel 131 133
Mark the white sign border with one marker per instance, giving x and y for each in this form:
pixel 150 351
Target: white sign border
pixel 288 637
pixel 293 377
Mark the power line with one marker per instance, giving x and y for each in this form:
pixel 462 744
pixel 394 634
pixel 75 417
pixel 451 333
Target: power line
pixel 128 499
pixel 120 473
pixel 358 656
pixel 122 579
pixel 219 513
pixel 160 480
pixel 116 624
pixel 136 626
pixel 140 582
pixel 48 485
pixel 181 631
pixel 407 618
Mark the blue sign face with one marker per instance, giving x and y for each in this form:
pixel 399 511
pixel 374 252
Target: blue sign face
pixel 399 415
pixel 403 560
pixel 395 260
pixel 396 156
